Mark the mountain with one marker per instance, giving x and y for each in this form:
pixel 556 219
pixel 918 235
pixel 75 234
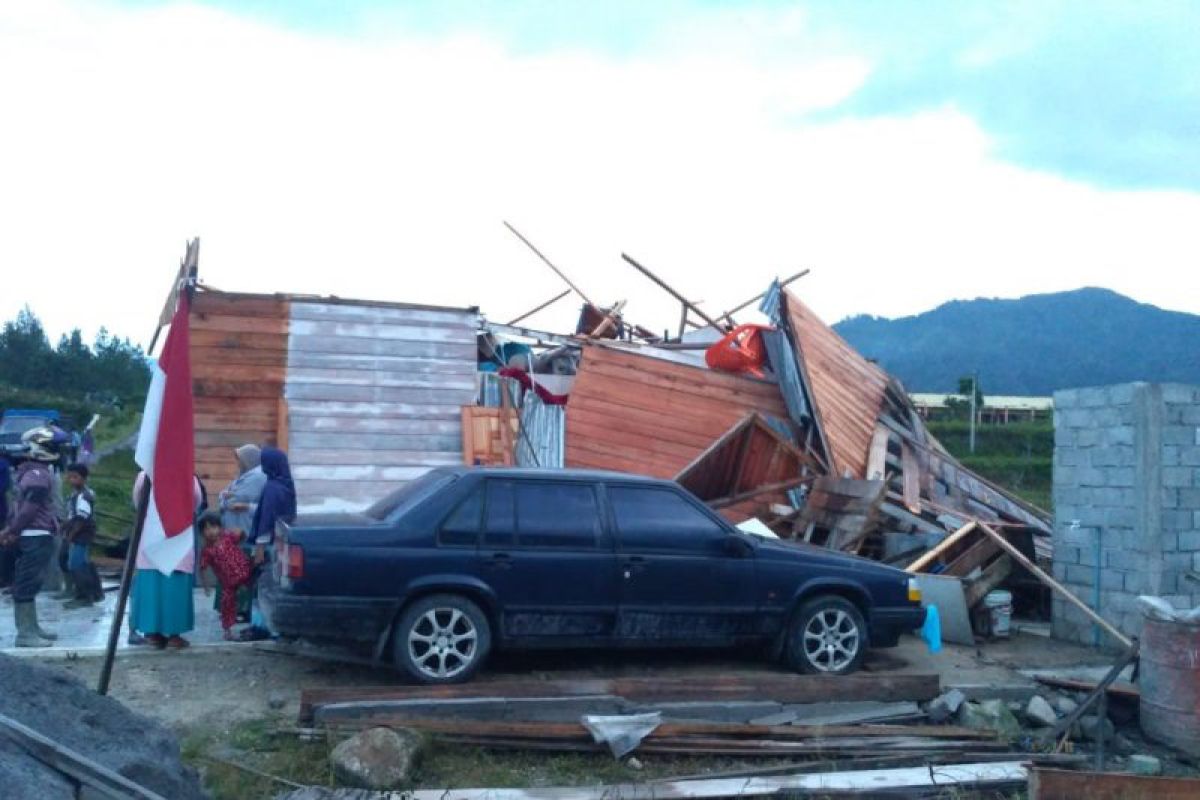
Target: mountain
pixel 1033 345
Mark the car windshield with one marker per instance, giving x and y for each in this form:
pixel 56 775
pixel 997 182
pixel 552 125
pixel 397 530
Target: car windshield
pixel 410 494
pixel 20 424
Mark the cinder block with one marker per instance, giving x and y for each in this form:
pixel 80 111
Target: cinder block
pixel 1066 398
pixel 1187 541
pixel 1119 435
pixel 1135 584
pixel 1088 557
pixel 1123 560
pixel 1171 454
pixel 1063 437
pixel 1120 517
pixel 1189 456
pixel 1190 415
pixel 1180 393
pixel 1059 568
pixel 1106 417
pixel 1169 498
pixel 1179 434
pixel 1121 602
pixel 1122 394
pixel 1088 437
pixel 1066 476
pixel 1067 457
pixel 1180 477
pixel 1112 579
pixel 1080 576
pixel 1120 476
pixel 1175 520
pixel 1189 498
pixel 1065 554
pixel 1093 477
pixel 1111 456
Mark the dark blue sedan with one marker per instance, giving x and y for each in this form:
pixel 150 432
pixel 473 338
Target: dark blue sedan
pixel 465 560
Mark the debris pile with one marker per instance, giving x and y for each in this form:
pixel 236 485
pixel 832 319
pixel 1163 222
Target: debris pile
pixel 56 733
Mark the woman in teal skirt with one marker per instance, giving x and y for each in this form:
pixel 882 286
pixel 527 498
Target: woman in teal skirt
pixel 163 608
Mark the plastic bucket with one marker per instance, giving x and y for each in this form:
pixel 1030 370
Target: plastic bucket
pixel 999 606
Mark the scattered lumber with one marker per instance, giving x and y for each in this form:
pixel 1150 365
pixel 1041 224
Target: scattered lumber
pixel 1117 690
pixel 995 776
pixel 1057 784
pixel 790 689
pixel 99 779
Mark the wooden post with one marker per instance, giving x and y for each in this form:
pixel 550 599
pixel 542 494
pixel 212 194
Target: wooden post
pixel 114 632
pixel 935 553
pixel 549 264
pixel 673 293
pixel 1041 575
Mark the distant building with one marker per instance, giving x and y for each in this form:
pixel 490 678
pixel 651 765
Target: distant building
pixel 997 409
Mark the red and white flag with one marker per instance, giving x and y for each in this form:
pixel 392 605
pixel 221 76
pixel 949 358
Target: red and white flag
pixel 166 451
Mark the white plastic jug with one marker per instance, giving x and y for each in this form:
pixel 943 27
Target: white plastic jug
pixel 999 605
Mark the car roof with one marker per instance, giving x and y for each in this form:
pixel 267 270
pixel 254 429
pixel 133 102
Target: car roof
pixel 535 473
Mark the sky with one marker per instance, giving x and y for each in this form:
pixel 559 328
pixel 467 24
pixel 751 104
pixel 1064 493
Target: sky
pixel 908 153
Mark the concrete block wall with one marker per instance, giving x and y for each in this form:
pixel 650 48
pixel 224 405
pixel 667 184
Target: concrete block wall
pixel 1126 501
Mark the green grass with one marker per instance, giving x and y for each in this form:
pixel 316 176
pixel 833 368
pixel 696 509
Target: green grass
pixel 1018 457
pixel 112 481
pixel 115 426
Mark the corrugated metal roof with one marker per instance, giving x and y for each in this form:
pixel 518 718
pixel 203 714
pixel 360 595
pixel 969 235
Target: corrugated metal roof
pixel 645 415
pixel 846 388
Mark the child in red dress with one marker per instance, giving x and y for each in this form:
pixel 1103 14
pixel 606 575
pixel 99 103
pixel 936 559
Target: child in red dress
pixel 224 555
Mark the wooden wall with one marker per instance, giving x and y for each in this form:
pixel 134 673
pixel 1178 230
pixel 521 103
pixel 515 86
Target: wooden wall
pixel 239 360
pixel 375 396
pixel 634 413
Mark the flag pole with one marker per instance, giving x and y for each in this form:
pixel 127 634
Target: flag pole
pixel 114 633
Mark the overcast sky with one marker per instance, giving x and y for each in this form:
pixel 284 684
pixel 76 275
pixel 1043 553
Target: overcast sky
pixel 908 153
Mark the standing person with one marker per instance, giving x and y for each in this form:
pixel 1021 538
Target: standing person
pixel 238 504
pixel 8 556
pixel 163 609
pixel 32 531
pixel 223 554
pixel 277 504
pixel 78 533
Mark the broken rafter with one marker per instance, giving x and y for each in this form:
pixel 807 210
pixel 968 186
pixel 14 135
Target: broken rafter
pixel 691 306
pixel 759 491
pixel 549 264
pixel 728 315
pixel 544 305
pixel 610 319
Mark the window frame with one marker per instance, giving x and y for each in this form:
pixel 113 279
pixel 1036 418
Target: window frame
pixel 478 489
pixel 603 540
pixel 717 520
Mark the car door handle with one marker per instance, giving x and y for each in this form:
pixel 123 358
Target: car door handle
pixel 634 564
pixel 500 561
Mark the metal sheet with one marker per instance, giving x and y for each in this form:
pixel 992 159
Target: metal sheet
pixel 946 593
pixel 540 442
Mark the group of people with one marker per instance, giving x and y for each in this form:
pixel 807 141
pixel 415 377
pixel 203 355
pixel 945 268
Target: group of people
pixel 36 527
pixel 234 541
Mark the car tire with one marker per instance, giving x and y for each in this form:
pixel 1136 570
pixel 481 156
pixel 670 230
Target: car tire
pixel 442 638
pixel 828 636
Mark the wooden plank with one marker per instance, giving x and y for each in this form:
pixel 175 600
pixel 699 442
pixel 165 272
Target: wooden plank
pixel 369 330
pixel 1041 575
pixel 912 478
pixel 975 556
pixel 995 574
pixel 97 777
pixel 265 326
pixel 876 460
pixel 936 552
pixel 895 512
pixel 1057 784
pixel 1124 691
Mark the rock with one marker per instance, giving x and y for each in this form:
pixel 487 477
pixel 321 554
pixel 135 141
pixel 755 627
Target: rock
pixel 1065 705
pixel 61 708
pixel 1145 765
pixel 276 700
pixel 1039 713
pixel 943 707
pixel 990 715
pixel 377 758
pixel 633 763
pixel 1122 745
pixel 1094 729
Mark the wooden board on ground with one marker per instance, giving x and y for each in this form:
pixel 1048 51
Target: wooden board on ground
pixel 1057 784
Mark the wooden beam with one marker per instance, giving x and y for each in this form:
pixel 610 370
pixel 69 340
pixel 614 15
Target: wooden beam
pixel 1060 784
pixel 912 478
pixel 691 306
pixel 609 320
pixel 1041 575
pixel 993 575
pixel 97 777
pixel 758 491
pixel 895 512
pixel 550 264
pixel 728 315
pixel 877 460
pixel 936 552
pixel 544 305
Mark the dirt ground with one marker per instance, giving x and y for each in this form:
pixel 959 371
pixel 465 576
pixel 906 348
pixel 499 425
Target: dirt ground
pixel 221 686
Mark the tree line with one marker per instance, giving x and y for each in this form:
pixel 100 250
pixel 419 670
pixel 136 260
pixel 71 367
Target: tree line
pixel 109 371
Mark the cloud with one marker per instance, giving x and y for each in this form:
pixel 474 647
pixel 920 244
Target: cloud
pixel 381 165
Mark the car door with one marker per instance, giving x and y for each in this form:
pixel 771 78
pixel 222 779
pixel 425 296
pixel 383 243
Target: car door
pixel 681 582
pixel 549 558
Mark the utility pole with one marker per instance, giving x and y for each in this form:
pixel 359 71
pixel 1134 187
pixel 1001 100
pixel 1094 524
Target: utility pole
pixel 974 393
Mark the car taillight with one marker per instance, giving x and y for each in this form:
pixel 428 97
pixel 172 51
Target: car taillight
pixel 914 591
pixel 295 562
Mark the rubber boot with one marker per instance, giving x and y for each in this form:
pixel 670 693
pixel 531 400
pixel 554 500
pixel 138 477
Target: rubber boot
pixel 84 595
pixel 37 626
pixel 26 618
pixel 97 586
pixel 69 589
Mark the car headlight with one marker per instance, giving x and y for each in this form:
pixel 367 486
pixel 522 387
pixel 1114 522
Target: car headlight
pixel 914 591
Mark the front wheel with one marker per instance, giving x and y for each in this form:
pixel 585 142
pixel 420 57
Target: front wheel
pixel 442 639
pixel 828 636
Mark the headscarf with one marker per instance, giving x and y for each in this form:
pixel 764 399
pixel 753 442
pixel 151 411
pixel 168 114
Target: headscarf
pixel 249 456
pixel 278 499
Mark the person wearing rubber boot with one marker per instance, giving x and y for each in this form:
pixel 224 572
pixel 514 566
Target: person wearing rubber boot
pixel 32 531
pixel 78 533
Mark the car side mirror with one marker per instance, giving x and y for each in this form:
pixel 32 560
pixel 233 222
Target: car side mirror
pixel 737 546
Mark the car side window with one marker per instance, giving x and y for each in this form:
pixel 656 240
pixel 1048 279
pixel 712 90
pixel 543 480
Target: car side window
pixel 557 515
pixel 501 517
pixel 462 526
pixel 656 519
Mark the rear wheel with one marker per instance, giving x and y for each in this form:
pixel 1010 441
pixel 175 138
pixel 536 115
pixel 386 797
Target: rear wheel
pixel 828 636
pixel 442 638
